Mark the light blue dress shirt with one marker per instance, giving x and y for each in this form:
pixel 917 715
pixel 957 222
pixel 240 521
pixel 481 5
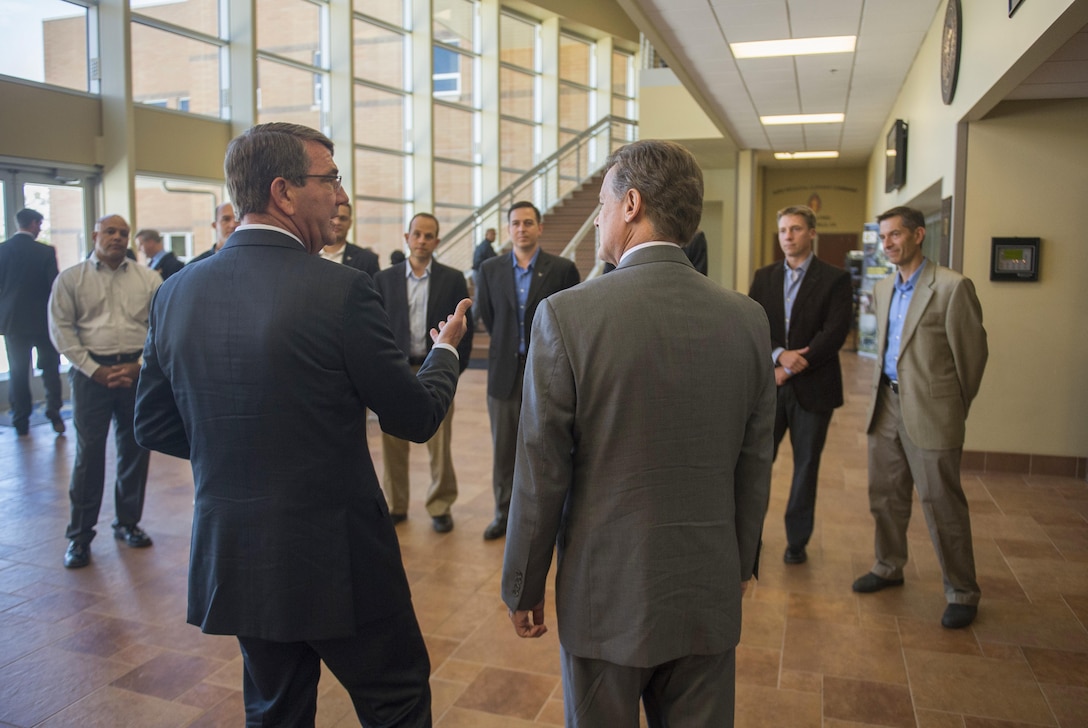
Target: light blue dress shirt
pixel 523 278
pixel 896 313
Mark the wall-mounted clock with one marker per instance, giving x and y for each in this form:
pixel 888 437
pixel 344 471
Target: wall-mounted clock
pixel 950 50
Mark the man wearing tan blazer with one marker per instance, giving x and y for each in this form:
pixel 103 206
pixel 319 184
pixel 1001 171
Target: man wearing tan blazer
pixel 644 456
pixel 932 355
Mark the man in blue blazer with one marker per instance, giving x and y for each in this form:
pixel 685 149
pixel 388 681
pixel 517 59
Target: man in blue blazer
pixel 293 550
pixel 417 293
pixel 810 312
pixel 27 270
pixel 508 290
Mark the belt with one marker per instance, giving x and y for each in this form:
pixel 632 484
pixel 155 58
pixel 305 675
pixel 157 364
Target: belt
pixel 111 359
pixel 892 383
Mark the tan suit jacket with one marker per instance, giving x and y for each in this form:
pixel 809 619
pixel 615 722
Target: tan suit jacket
pixel 942 355
pixel 644 454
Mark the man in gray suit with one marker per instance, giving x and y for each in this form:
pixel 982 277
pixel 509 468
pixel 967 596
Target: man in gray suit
pixel 644 453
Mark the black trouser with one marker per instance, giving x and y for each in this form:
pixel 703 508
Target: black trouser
pixel 384 668
pixel 808 432
pixel 93 406
pixel 18 351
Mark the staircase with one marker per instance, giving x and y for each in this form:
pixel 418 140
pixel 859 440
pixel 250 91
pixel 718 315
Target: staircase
pixel 562 223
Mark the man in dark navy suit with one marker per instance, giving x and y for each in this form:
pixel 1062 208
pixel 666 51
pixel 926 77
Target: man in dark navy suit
pixel 417 293
pixel 27 270
pixel 293 550
pixel 158 257
pixel 809 305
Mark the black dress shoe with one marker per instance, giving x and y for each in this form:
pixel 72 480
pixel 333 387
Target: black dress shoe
pixel 77 556
pixel 132 536
pixel 958 616
pixel 872 583
pixel 398 517
pixel 795 555
pixel 495 529
pixel 442 524
pixel 57 420
pixel 22 430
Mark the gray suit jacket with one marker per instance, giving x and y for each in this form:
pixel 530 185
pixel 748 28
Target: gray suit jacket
pixel 942 354
pixel 644 454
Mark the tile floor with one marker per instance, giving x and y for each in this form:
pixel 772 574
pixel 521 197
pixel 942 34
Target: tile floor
pixel 108 645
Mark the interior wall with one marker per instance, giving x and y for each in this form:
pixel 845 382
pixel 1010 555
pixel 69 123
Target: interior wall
pixel 49 124
pixel 1026 177
pixel 196 144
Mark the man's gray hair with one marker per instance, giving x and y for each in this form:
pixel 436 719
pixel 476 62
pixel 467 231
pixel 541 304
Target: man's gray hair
pixel 670 182
pixel 261 154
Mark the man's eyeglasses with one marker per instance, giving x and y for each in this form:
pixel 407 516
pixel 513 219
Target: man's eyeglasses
pixel 333 178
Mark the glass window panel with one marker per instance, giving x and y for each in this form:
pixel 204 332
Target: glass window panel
pixel 380 226
pixel 454 76
pixel 174 72
pixel 45 41
pixel 516 146
pixel 448 218
pixel 454 133
pixel 290 28
pixel 570 167
pixel 453 184
pixel 623 81
pixel 380 118
pixel 379 55
pixel 518 40
pixel 517 95
pixel 63 226
pixel 574 107
pixel 380 175
pixel 455 22
pixel 200 15
pixel 390 11
pixel 183 218
pixel 288 94
pixel 574 60
pixel 623 107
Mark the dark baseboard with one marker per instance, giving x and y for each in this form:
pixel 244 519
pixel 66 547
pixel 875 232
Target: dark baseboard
pixel 1025 463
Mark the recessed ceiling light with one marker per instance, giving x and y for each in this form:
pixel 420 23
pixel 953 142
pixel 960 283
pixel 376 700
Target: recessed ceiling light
pixel 806 155
pixel 802 119
pixel 794 47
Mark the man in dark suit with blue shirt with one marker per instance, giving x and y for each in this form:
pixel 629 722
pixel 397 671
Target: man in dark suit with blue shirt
pixel 809 310
pixel 293 550
pixel 27 270
pixel 508 290
pixel 416 293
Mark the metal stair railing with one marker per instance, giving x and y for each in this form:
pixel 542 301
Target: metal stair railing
pixel 545 185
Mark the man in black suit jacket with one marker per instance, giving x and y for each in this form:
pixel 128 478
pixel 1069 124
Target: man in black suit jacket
pixel 27 270
pixel 224 224
pixel 341 251
pixel 485 250
pixel 293 550
pixel 416 294
pixel 509 289
pixel 158 258
pixel 809 312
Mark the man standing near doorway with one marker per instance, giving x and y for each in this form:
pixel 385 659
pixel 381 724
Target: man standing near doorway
pixel 809 306
pixel 484 251
pixel 341 251
pixel 929 368
pixel 417 294
pixel 509 289
pixel 27 271
pixel 158 257
pixel 98 315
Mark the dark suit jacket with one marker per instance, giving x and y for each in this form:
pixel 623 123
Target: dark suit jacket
pixel 447 288
pixel 27 270
pixel 291 539
pixel 498 308
pixel 483 252
pixel 644 458
pixel 364 260
pixel 168 265
pixel 822 313
pixel 696 252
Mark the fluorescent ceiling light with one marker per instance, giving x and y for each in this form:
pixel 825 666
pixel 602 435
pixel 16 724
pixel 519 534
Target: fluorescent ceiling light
pixel 802 119
pixel 806 155
pixel 794 47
